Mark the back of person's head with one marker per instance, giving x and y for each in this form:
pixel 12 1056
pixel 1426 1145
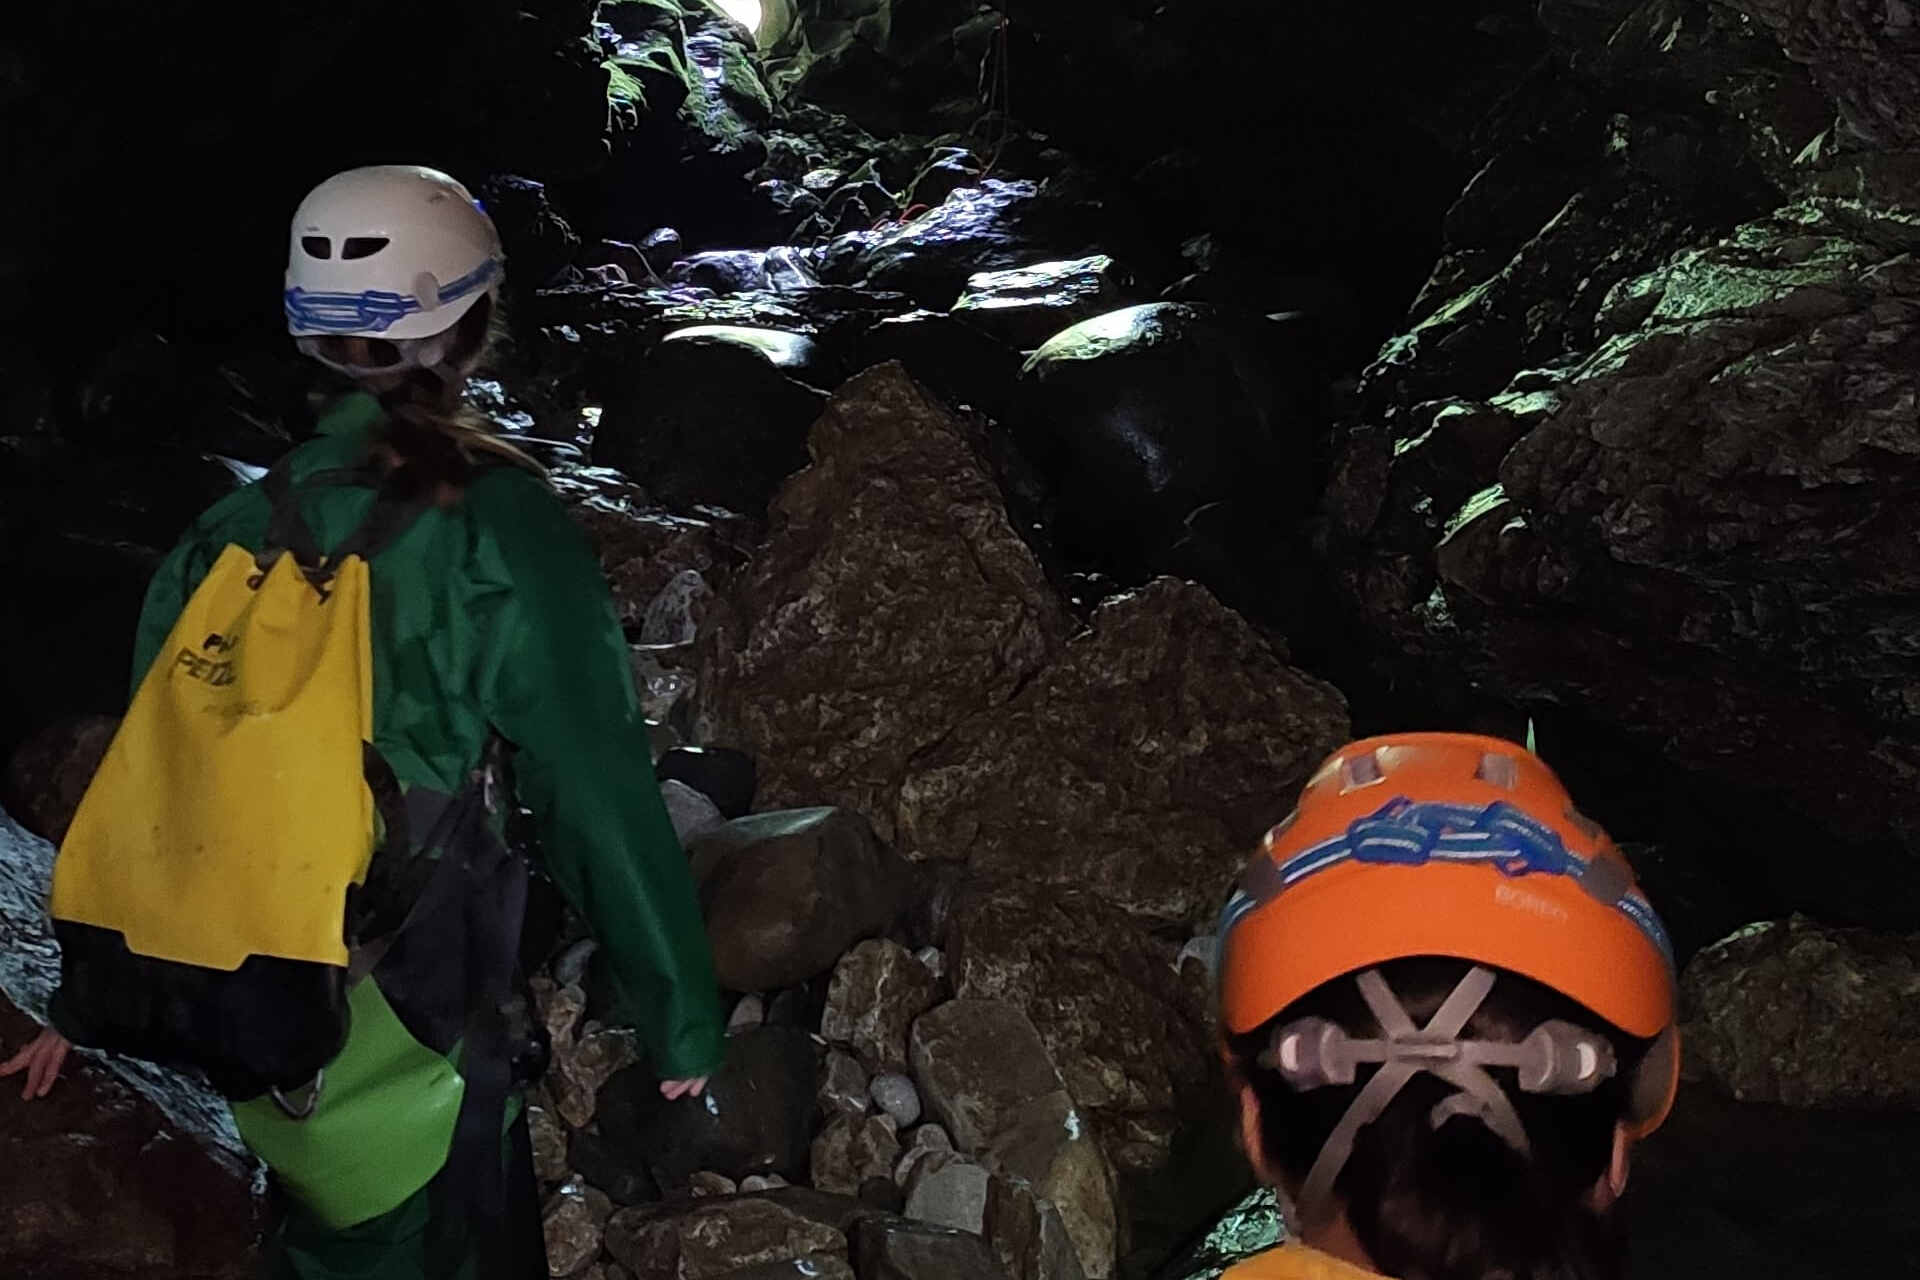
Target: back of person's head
pixel 1453 1199
pixel 393 279
pixel 1449 1010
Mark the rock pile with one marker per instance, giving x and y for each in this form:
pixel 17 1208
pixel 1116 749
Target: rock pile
pixel 958 1036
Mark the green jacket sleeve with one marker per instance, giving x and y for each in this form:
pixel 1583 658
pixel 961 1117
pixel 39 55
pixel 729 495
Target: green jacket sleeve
pixel 559 686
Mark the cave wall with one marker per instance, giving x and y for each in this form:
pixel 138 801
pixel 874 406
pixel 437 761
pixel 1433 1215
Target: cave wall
pixel 1642 457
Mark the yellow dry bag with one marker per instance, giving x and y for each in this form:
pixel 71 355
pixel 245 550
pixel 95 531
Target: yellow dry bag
pixel 231 812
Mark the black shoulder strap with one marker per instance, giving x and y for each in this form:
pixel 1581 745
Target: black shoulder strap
pixel 287 529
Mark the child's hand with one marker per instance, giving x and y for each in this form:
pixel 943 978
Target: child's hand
pixel 669 1089
pixel 42 1059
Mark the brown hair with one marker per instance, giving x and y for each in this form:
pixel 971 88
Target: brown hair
pixel 1456 1202
pixel 433 440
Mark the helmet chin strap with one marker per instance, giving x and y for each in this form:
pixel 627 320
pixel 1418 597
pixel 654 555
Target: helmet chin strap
pixel 1557 1057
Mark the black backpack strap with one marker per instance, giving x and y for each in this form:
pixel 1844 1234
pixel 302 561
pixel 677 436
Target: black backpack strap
pixel 473 904
pixel 392 514
pixel 287 527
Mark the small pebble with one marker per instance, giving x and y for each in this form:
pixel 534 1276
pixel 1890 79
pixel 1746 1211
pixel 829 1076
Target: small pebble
pixel 763 1182
pixel 894 1094
pixel 690 812
pixel 931 1137
pixel 748 1014
pixel 707 1183
pixel 843 1085
pixel 903 1167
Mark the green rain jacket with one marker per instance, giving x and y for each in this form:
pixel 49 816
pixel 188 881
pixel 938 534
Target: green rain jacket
pixel 493 612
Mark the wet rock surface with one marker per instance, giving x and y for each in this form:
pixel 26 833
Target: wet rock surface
pixel 930 258
pixel 955 361
pixel 1638 453
pixel 786 893
pixel 725 776
pixel 949 1190
pixel 642 546
pixel 892 600
pixel 1029 1235
pixel 843 1085
pixel 1025 306
pixel 735 1235
pixel 1139 417
pixel 893 1250
pixel 756 1115
pixel 672 434
pixel 878 989
pixel 988 1079
pixel 124 1169
pixel 549 1138
pixel 575 1218
pixel 583 1056
pixel 1126 1032
pixel 894 1093
pixel 1146 760
pixel 96 1181
pixel 850 1151
pixel 1793 1013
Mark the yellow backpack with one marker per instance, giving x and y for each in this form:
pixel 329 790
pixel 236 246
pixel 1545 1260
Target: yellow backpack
pixel 200 893
pixel 205 896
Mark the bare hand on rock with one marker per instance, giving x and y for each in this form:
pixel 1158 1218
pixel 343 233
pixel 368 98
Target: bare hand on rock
pixel 41 1060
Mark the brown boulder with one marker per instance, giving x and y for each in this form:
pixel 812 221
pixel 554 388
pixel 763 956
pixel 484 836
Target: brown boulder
pixel 1028 1234
pixel 96 1182
pixel 1795 1013
pixel 786 894
pixel 1128 1035
pixel 850 1151
pixel 843 1086
pixel 890 1249
pixel 1145 763
pixel 575 1221
pixel 642 547
pixel 726 1237
pixel 549 1138
pixel 986 1076
pixel 878 989
pixel 892 600
pixel 49 772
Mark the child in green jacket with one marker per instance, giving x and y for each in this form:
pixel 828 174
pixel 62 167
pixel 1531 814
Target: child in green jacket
pixel 489 617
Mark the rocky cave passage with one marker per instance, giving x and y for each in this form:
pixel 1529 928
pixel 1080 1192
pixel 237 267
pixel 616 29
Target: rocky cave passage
pixel 1022 440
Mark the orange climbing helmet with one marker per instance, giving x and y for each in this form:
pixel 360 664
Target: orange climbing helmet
pixel 1444 844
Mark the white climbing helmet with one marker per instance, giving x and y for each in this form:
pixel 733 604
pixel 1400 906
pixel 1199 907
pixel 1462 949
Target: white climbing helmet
pixel 388 251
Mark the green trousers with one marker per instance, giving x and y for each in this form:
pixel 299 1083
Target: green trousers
pixel 417 1241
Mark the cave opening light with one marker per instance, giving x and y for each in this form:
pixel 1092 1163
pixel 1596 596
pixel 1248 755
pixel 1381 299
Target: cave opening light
pixel 746 12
